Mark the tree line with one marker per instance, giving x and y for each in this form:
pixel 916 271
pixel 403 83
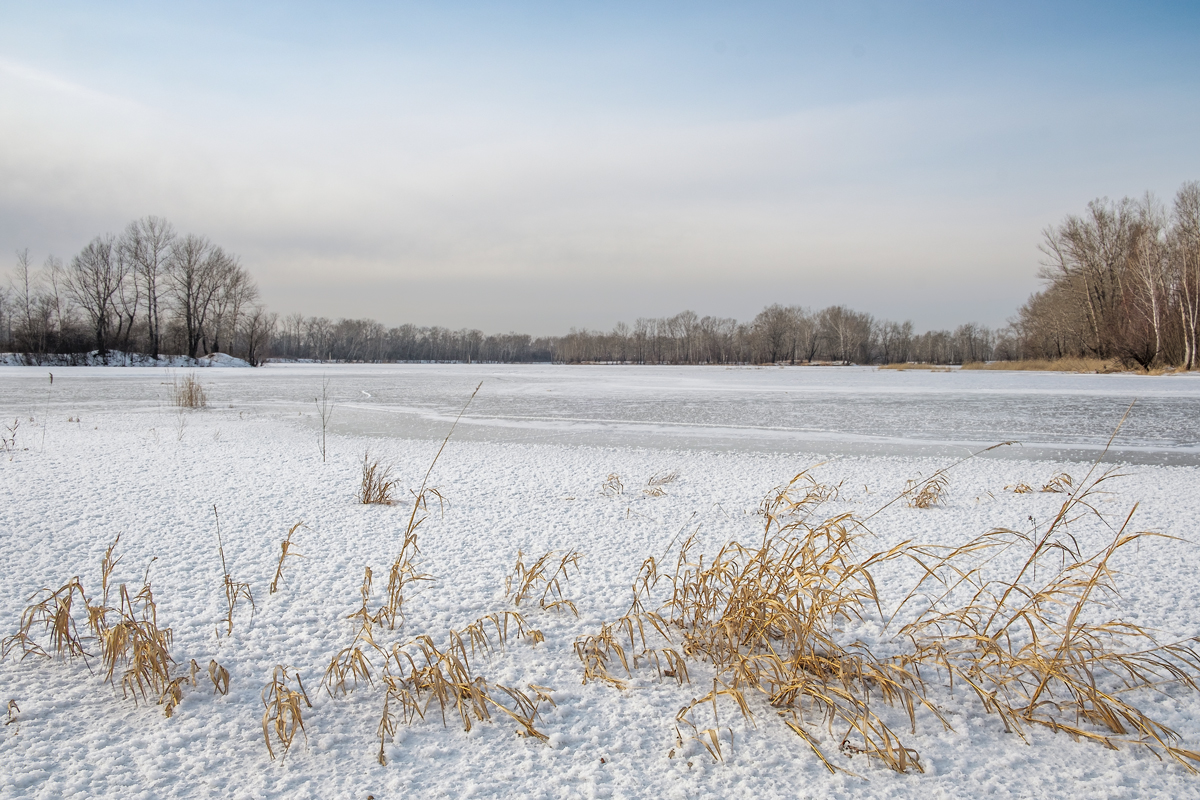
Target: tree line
pixel 1122 281
pixel 148 290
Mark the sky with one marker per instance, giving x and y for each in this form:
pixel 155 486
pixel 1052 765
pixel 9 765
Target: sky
pixel 541 166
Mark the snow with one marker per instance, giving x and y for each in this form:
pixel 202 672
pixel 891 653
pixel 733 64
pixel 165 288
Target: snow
pixel 100 452
pixel 118 358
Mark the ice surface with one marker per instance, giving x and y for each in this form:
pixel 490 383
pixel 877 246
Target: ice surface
pixel 523 471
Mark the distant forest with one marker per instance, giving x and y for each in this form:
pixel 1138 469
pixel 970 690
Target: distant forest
pixel 1121 282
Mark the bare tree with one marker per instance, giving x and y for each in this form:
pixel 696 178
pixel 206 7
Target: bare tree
pixel 192 274
pixel 92 281
pixel 147 243
pixel 1185 266
pixel 258 328
pixel 1148 284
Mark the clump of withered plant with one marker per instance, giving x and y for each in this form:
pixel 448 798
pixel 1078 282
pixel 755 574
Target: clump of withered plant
pixel 769 618
pixel 286 550
pixel 535 580
pixel 351 662
pixel 234 590
pixel 134 648
pixel 655 485
pixel 419 673
pixel 283 717
pixel 1026 639
pixel 1059 484
pixel 376 485
pixel 186 392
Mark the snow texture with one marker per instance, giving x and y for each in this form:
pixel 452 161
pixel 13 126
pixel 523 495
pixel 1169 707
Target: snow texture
pixel 100 453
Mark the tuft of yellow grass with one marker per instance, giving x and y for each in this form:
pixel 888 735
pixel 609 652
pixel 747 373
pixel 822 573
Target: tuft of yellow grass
pixel 235 591
pixel 286 550
pixel 1031 640
pixel 535 580
pixel 283 717
pixel 186 392
pixel 377 484
pixel 1059 483
pixel 1049 365
pixel 420 673
pixel 927 493
pixel 655 486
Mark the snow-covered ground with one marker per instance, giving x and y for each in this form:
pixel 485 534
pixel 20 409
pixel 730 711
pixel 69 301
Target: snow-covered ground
pixel 100 453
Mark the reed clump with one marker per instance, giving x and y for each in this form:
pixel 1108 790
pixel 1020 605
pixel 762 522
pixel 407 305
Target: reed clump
pixel 377 484
pixel 134 650
pixel 186 392
pixel 612 485
pixel 1034 642
pixel 538 580
pixel 927 493
pixel 1096 365
pixel 283 716
pixel 657 483
pixel 419 674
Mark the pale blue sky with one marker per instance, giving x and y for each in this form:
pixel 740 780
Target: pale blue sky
pixel 534 166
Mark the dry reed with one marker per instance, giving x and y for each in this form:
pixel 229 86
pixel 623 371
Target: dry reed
pixel 377 484
pixel 420 673
pixel 234 590
pixel 283 717
pixel 534 580
pixel 1047 365
pixel 656 483
pixel 12 716
pixel 770 619
pixel 186 392
pixel 1026 643
pixel 286 550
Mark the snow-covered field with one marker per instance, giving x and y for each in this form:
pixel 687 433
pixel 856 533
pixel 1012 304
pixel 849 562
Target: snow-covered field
pixel 100 453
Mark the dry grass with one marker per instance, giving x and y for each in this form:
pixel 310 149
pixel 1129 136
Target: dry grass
pixel 234 590
pixel 1055 365
pixel 283 717
pixel 8 439
pixel 402 573
pixel 927 493
pixel 1028 642
pixel 1035 645
pixel 901 366
pixel 12 716
pixel 186 392
pixel 134 648
pixel 800 496
pixel 533 580
pixel 612 486
pixel 219 676
pixel 286 550
pixel 420 673
pixel 655 486
pixel 1059 483
pixel 377 484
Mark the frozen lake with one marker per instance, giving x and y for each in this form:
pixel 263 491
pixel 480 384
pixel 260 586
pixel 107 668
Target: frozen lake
pixel 823 410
